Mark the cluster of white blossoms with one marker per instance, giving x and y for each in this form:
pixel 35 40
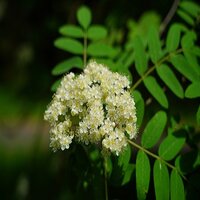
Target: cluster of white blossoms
pixel 93 107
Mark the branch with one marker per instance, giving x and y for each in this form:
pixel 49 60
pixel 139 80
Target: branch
pixel 169 16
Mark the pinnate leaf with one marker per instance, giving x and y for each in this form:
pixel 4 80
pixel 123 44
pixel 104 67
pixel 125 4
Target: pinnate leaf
pixel 70 45
pixel 67 65
pixel 140 55
pixel 161 180
pixel 187 18
pixel 55 85
pixel 177 187
pixel 169 78
pixel 101 50
pixel 96 32
pixel 142 175
pixel 190 7
pixel 154 44
pixel 193 90
pixel 84 16
pixel 182 65
pixel 172 144
pixel 72 31
pixel 156 91
pixel 154 129
pixel 140 107
pixel 173 37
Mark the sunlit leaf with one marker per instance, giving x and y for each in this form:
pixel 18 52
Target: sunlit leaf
pixel 169 78
pixel 142 175
pixel 72 31
pixel 140 55
pixel 96 32
pixel 84 16
pixel 140 107
pixel 70 45
pixel 161 180
pixel 193 90
pixel 177 187
pixel 172 144
pixel 99 49
pixel 154 129
pixel 156 91
pixel 66 65
pixel 182 65
pixel 154 44
pixel 173 38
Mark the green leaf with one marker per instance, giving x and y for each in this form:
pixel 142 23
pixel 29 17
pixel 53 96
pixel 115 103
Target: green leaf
pixel 188 40
pixel 84 16
pixel 139 104
pixel 140 55
pixel 108 165
pixel 172 144
pixel 67 65
pixel 96 32
pixel 177 187
pixel 188 162
pixel 71 31
pixel 191 8
pixel 169 78
pixel 124 158
pixel 154 129
pixel 192 60
pixel 142 175
pixel 156 91
pixel 154 44
pixel 182 65
pixel 101 50
pixel 161 180
pixel 193 90
pixel 128 61
pixel 198 115
pixel 128 174
pixel 55 85
pixel 185 17
pixel 173 38
pixel 70 45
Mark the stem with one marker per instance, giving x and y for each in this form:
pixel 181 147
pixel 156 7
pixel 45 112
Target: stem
pixel 85 50
pixel 169 16
pixel 155 156
pixel 151 69
pixel 105 179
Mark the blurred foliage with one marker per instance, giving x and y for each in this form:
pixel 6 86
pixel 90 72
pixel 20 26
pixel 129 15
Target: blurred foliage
pixel 122 29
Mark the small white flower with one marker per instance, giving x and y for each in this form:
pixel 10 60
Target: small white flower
pixel 94 107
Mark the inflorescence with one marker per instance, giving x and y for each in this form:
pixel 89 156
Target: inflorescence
pixel 94 107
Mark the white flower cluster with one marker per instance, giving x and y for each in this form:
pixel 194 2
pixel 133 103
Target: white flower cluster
pixel 94 107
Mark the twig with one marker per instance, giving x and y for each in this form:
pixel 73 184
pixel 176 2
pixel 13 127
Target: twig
pixel 151 69
pixel 169 16
pixel 156 157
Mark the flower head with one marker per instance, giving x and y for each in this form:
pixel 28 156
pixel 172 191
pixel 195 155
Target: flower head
pixel 94 107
